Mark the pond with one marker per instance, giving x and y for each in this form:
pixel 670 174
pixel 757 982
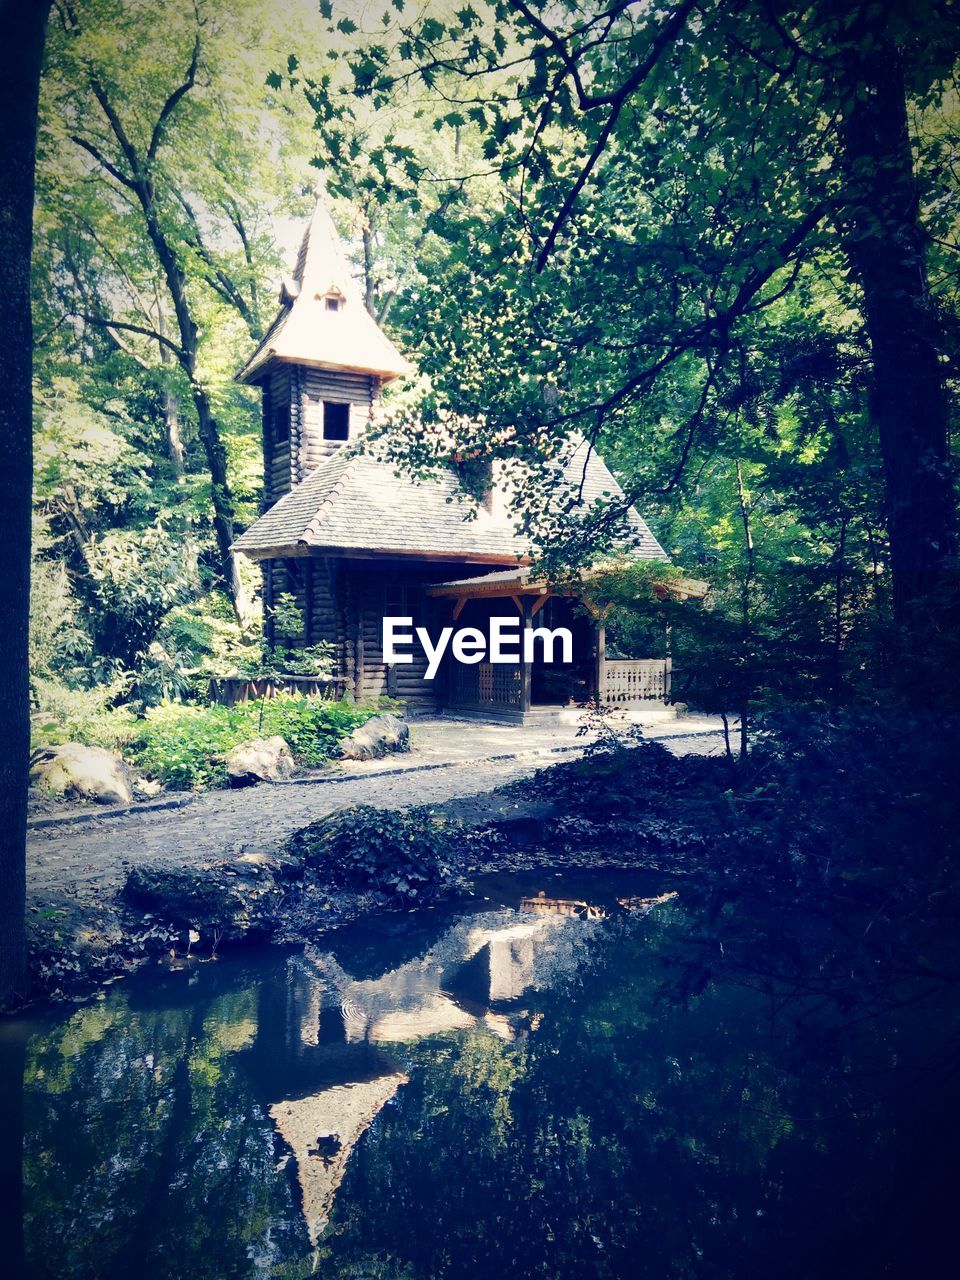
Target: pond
pixel 591 1076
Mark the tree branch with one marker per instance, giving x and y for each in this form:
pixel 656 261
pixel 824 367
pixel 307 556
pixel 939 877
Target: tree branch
pixel 668 32
pixel 102 161
pixel 103 322
pixel 171 104
pixel 215 276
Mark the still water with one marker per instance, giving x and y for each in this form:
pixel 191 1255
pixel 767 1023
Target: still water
pixel 561 1078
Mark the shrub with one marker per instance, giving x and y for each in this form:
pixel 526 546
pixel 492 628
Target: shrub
pixel 183 746
pixel 409 856
pixel 64 714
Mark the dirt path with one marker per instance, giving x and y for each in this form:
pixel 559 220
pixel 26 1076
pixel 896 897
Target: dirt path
pixel 93 857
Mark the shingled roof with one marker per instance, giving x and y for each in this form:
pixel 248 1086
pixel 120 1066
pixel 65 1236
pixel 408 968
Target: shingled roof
pixel 354 501
pixel 307 331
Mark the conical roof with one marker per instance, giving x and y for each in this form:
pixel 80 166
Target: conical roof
pixel 310 329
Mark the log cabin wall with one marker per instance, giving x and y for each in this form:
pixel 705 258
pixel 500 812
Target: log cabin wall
pixel 281 428
pixel 349 600
pixel 294 439
pixel 321 612
pixel 320 386
pixel 344 602
pixel 371 595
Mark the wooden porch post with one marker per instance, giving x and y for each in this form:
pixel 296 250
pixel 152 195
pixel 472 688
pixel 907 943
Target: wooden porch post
pixel 600 660
pixel 526 668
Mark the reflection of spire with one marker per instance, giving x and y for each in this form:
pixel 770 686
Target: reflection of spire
pixel 321 1131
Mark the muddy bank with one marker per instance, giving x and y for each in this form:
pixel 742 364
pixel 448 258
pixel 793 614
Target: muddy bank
pixel 275 896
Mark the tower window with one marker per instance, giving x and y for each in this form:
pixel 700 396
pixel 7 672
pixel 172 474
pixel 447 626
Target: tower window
pixel 336 420
pixel 333 304
pixel 281 424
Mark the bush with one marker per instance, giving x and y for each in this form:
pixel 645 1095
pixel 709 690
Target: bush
pixel 409 856
pixel 63 714
pixel 183 746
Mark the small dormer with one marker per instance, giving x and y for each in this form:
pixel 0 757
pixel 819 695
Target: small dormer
pixel 321 365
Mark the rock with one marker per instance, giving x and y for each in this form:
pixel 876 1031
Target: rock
pixel 222 902
pixel 146 788
pixel 82 773
pixel 375 738
pixel 259 760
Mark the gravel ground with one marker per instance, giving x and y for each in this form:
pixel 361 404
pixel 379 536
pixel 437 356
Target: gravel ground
pixel 91 858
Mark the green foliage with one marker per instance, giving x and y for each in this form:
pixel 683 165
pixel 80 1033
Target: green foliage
pixel 96 715
pixel 408 856
pixel 183 746
pixel 287 616
pixel 59 642
pixel 708 335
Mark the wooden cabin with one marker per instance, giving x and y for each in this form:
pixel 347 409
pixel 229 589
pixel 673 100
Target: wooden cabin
pixel 354 542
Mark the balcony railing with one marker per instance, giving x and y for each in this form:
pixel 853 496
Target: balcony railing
pixel 634 680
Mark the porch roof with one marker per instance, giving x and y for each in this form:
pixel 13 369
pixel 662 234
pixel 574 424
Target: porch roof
pixel 524 581
pixel 507 582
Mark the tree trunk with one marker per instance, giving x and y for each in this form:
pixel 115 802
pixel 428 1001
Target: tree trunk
pixel 171 410
pixel 22 24
pixel 207 429
pixel 885 242
pixel 748 654
pixel 222 500
pixel 369 258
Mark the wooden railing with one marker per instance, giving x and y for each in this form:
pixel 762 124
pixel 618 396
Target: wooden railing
pixel 635 680
pixel 229 690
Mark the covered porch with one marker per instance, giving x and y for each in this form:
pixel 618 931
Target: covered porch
pixel 533 689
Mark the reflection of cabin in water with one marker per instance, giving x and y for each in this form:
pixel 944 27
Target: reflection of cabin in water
pixel 322 1056
pixel 352 541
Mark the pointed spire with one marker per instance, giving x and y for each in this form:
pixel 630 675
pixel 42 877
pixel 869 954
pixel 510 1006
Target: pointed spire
pixel 323 320
pixel 321 266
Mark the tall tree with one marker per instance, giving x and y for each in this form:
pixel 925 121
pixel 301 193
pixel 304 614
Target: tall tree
pixel 650 218
pixel 22 24
pixel 133 164
pixel 145 244
pixel 887 244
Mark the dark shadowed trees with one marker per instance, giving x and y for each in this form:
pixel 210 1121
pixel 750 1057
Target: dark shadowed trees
pixel 21 37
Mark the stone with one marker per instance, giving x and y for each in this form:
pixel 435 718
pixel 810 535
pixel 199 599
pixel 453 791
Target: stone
pixel 146 788
pixel 221 902
pixel 259 760
pixel 376 738
pixel 79 772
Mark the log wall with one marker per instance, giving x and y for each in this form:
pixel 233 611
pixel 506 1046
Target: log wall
pixel 281 391
pixel 303 391
pixel 318 385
